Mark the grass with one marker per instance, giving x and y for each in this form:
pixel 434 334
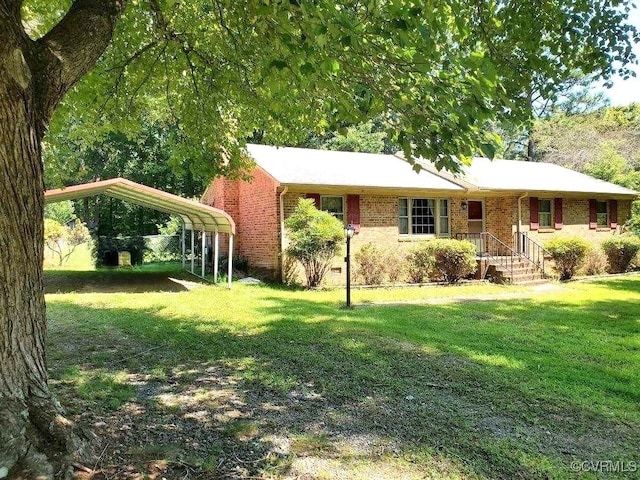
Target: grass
pixel 276 382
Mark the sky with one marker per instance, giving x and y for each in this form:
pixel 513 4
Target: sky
pixel 627 91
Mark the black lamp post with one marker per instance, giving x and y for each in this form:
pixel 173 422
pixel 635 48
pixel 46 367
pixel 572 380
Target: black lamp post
pixel 350 230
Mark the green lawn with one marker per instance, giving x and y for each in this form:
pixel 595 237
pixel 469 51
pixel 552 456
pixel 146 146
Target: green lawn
pixel 268 382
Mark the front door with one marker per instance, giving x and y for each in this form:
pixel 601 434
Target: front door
pixel 475 223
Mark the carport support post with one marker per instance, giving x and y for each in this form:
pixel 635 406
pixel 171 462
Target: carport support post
pixel 203 252
pixel 193 253
pixel 183 245
pixel 216 252
pixel 230 262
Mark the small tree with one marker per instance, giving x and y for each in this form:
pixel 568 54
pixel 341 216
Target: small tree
pixel 315 238
pixel 568 254
pixel 62 240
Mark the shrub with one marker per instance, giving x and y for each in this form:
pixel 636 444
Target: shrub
pixel 419 263
pixel 441 259
pixel 371 264
pixel 452 259
pixel 595 263
pixel 289 270
pixel 315 237
pixel 568 254
pixel 240 264
pixel 105 250
pixel 620 251
pixel 396 265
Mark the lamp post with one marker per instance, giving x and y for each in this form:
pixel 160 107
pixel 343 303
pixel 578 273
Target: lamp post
pixel 350 230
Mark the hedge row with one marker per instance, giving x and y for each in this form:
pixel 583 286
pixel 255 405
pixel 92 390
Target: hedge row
pixel 570 254
pixel 443 260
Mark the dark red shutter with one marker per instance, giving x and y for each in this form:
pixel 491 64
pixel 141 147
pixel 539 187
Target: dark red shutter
pixel 613 213
pixel 557 213
pixel 593 216
pixel 316 199
pixel 353 211
pixel 534 222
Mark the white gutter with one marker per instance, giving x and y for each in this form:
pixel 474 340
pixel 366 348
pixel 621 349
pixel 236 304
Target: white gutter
pixel 282 242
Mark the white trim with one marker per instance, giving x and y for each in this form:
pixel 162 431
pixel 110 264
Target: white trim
pixel 437 216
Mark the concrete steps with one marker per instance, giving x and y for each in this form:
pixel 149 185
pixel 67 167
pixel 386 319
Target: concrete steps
pixel 524 273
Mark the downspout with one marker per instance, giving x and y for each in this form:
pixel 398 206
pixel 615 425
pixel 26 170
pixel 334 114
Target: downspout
pixel 519 227
pixel 282 243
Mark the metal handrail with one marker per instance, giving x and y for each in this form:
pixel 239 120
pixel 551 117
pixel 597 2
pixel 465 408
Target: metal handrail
pixel 492 247
pixel 530 249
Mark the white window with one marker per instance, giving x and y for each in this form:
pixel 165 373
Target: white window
pixel 544 213
pixel 602 213
pixel 423 216
pixel 333 205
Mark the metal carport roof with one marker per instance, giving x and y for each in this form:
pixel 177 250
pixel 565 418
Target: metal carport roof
pixel 196 216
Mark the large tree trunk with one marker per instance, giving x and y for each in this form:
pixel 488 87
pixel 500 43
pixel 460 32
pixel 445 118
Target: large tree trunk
pixel 36 441
pixel 28 413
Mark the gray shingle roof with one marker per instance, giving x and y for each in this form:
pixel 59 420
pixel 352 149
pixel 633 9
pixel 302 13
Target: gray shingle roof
pixel 302 166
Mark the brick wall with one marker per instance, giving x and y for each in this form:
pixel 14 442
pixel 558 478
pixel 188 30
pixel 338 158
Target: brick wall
pixel 501 215
pixel 254 207
pixel 575 218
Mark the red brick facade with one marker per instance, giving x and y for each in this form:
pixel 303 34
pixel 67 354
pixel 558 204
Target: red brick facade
pixel 255 207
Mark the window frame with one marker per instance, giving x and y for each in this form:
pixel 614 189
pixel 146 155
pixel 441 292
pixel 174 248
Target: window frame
pixel 541 224
pixel 605 213
pixel 438 218
pixel 342 215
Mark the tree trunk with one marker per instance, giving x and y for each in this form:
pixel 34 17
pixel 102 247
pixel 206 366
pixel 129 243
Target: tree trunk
pixel 531 149
pixel 28 412
pixel 36 441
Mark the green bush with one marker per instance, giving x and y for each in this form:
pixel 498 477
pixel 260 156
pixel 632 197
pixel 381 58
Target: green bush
pixel 315 238
pixel 105 250
pixel 240 264
pixel 371 264
pixel 452 259
pixel 396 265
pixel 620 251
pixel 568 254
pixel 442 259
pixel 595 263
pixel 419 263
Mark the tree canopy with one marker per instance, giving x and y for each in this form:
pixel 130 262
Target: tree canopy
pixel 220 71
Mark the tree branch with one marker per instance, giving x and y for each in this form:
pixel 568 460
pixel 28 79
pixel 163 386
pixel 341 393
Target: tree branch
pixel 71 48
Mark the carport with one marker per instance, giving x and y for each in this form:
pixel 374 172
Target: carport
pixel 195 216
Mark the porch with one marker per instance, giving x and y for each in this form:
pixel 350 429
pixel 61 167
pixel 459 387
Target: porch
pixel 522 262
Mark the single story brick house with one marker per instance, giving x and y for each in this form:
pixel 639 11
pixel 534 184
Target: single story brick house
pixel 509 202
